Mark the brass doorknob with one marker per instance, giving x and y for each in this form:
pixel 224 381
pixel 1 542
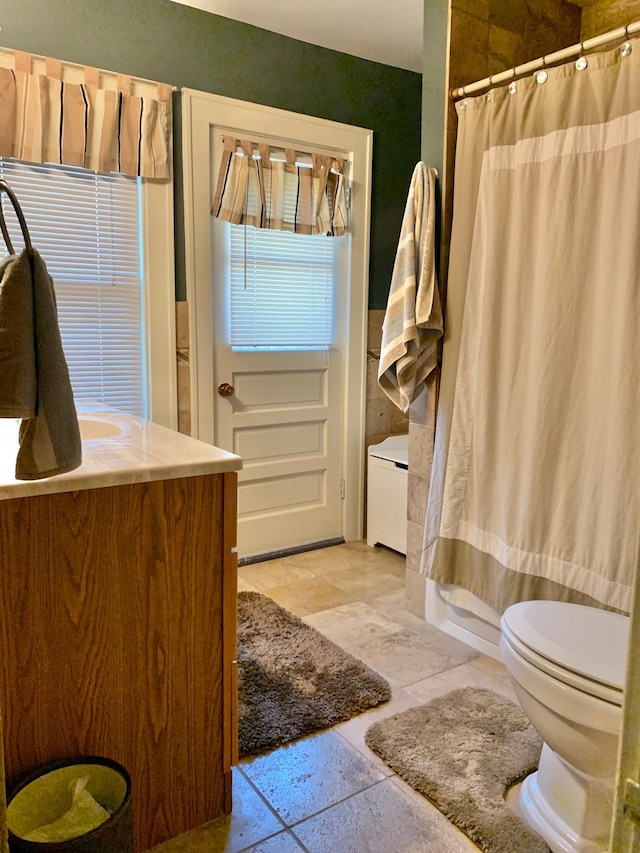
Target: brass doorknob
pixel 226 390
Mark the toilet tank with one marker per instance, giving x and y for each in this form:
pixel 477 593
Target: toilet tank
pixel 388 464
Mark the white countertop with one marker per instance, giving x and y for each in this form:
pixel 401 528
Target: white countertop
pixel 117 449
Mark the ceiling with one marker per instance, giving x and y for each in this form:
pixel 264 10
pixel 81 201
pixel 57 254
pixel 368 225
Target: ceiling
pixel 387 31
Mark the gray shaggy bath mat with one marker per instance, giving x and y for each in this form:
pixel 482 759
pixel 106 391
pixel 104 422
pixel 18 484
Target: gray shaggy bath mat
pixel 292 680
pixel 463 751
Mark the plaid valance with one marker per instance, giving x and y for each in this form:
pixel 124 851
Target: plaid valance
pixel 45 119
pixel 269 188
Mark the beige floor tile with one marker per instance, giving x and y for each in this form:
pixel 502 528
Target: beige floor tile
pixel 284 842
pixel 492 667
pixel 250 822
pixel 355 729
pixel 466 675
pixel 271 573
pixel 351 555
pixel 352 624
pixel 243 586
pixel 406 657
pixel 386 818
pixel 310 596
pixel 365 585
pixel 309 775
pixel 397 612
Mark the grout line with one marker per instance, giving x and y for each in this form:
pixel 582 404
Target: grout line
pixel 238 767
pixel 292 826
pixel 286 831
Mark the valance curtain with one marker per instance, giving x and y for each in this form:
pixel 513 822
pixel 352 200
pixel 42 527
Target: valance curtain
pixel 535 489
pixel 45 119
pixel 280 194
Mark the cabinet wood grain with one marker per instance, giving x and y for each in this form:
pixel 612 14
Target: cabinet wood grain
pixel 117 638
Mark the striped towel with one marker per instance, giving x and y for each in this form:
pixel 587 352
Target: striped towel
pixel 413 320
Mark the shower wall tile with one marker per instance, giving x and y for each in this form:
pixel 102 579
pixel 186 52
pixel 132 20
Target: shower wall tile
pixel 608 15
pixel 417 494
pixel 421 449
pixel 414 545
pixel 415 592
pixel 505 48
pixel 470 37
pixel 479 8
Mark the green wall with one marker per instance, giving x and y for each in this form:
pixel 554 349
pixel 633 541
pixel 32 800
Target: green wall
pixel 176 44
pixel 434 81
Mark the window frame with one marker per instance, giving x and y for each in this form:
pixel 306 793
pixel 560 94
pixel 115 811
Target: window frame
pixel 158 259
pixel 159 301
pixel 157 298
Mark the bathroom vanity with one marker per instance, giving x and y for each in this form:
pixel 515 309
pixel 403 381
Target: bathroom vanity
pixel 118 615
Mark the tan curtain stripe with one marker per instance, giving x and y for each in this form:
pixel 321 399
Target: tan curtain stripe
pixel 44 119
pixel 278 194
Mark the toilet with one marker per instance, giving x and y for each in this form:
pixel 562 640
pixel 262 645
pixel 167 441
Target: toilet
pixel 567 664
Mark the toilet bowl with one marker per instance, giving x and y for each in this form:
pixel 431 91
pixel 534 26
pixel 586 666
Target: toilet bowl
pixel 567 664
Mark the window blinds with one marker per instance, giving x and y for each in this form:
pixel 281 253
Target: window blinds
pixel 282 289
pixel 86 226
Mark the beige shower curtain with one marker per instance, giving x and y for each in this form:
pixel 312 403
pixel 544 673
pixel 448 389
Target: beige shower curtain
pixel 535 490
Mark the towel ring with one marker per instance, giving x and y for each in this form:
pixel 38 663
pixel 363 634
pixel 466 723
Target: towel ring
pixel 4 187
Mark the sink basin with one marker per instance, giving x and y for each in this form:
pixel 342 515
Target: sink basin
pixel 95 429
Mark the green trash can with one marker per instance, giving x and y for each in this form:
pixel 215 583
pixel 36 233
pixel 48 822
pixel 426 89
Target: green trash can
pixel 79 805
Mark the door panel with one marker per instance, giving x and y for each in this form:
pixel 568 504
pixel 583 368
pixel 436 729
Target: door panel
pixel 285 418
pixel 280 442
pixel 262 389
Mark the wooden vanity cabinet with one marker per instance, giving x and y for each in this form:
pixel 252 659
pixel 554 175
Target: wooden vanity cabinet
pixel 118 639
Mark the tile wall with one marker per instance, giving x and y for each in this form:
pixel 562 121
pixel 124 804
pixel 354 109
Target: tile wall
pixel 182 356
pixel 383 418
pixel 608 15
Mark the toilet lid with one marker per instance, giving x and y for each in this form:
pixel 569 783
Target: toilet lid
pixel 584 640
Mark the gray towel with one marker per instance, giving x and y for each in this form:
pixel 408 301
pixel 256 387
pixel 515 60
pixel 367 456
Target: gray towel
pixel 34 379
pixel 413 319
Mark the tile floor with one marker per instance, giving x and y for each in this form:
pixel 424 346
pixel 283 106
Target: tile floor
pixel 329 793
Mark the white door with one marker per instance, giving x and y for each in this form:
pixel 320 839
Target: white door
pixel 280 409
pixel 296 417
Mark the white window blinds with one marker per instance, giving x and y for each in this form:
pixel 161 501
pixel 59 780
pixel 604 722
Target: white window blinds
pixel 282 289
pixel 86 226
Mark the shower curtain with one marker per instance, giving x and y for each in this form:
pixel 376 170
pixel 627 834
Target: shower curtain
pixel 535 490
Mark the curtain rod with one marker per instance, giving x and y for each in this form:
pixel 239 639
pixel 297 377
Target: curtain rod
pixel 546 61
pixel 304 160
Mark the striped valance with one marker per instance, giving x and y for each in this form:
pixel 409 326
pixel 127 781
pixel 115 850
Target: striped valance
pixel 271 188
pixel 47 118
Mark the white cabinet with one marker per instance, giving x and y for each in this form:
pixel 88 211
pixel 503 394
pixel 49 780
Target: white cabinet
pixel 387 493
